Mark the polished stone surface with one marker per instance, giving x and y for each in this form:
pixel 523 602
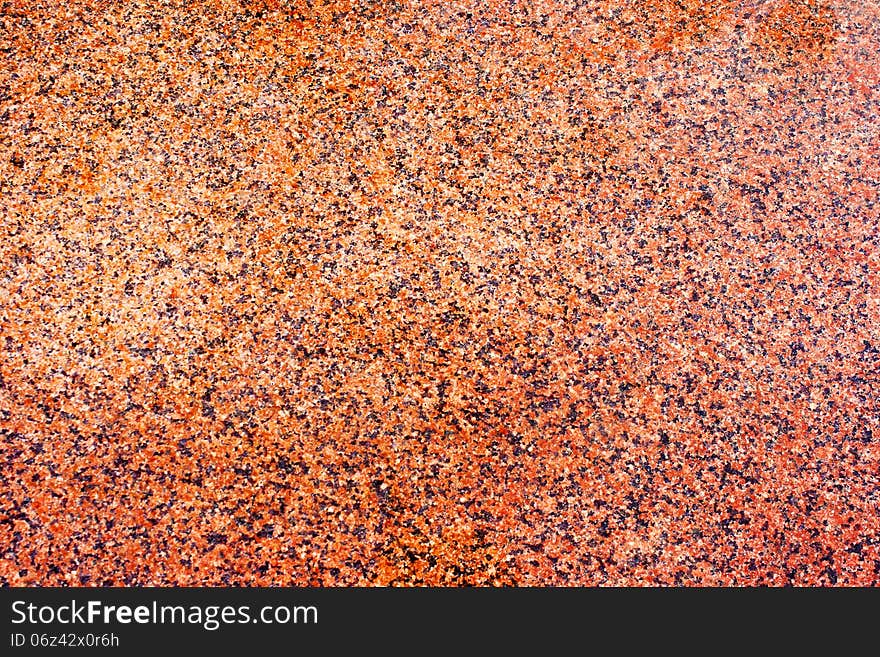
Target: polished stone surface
pixel 534 293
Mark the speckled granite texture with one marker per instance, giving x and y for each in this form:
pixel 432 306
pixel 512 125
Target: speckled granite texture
pixel 534 293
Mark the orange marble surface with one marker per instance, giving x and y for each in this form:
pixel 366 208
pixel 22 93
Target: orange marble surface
pixel 531 293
